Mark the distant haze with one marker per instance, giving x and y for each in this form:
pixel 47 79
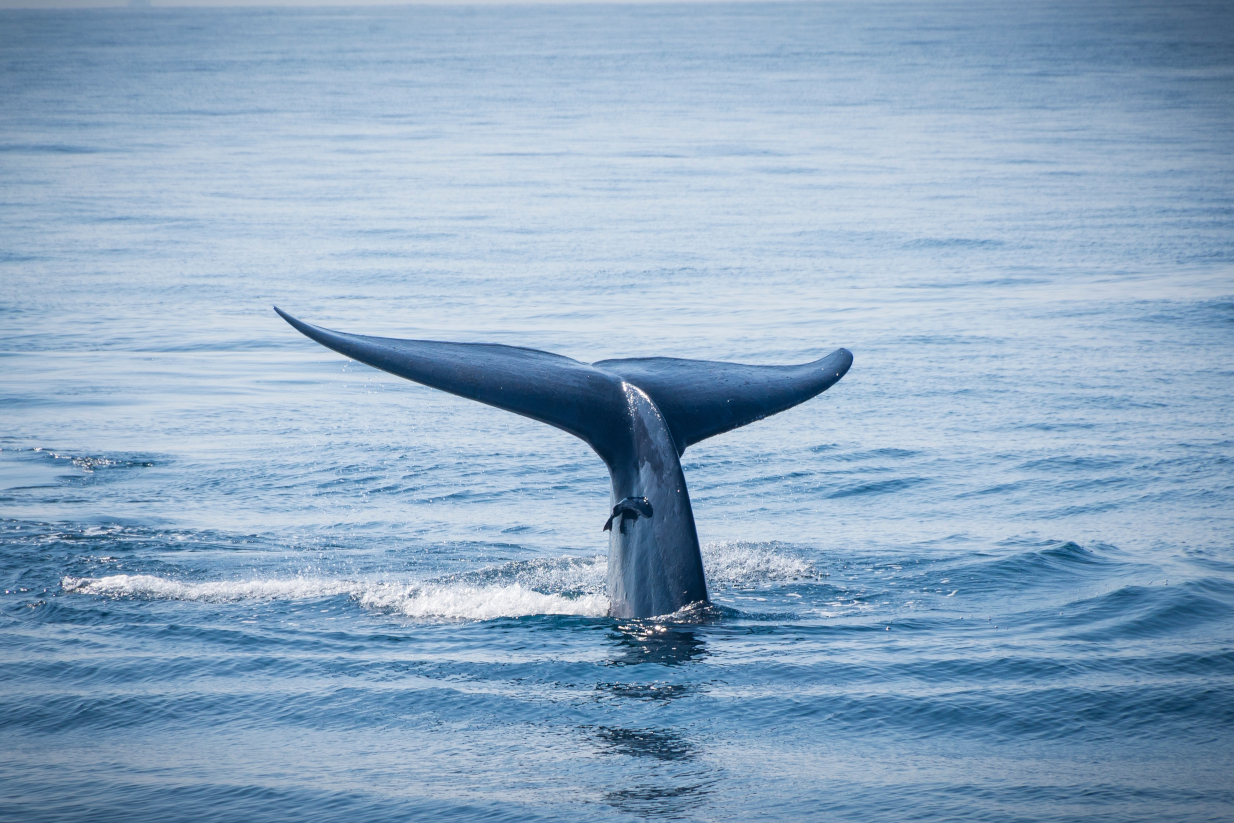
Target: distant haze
pixel 147 4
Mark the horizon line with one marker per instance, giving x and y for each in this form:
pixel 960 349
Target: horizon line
pixel 166 5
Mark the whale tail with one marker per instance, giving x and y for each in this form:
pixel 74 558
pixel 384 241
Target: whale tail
pixel 638 414
pixel 698 398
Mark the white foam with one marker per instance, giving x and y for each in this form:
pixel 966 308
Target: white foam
pixel 451 601
pixel 565 585
pixel 480 603
pixel 559 574
pixel 162 588
pixel 744 563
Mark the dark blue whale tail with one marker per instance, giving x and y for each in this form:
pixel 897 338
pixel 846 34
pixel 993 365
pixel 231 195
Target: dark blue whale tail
pixel 639 415
pixel 698 398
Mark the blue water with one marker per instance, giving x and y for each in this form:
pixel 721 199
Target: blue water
pixel 987 576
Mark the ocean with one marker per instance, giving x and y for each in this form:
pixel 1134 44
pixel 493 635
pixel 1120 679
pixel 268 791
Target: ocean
pixel 988 576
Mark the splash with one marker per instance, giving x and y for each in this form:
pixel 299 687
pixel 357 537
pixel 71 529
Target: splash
pixel 161 588
pixel 739 563
pixel 461 602
pixel 562 586
pixel 455 600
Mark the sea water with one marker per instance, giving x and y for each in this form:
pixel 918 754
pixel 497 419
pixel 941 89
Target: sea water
pixel 987 576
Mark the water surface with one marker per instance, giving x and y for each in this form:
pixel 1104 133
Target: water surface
pixel 987 576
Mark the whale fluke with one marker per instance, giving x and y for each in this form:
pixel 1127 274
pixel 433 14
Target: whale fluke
pixel 639 415
pixel 703 398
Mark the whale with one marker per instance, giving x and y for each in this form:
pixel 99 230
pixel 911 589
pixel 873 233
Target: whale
pixel 638 414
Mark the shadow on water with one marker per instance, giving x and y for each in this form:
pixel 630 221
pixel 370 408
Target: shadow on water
pixel 648 691
pixel 664 790
pixel 664 801
pixel 657 644
pixel 662 778
pixel 666 745
pixel 637 644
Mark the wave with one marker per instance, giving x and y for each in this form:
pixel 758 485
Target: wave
pixel 557 586
pixel 151 587
pixel 446 600
pixel 487 603
pixel 739 562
